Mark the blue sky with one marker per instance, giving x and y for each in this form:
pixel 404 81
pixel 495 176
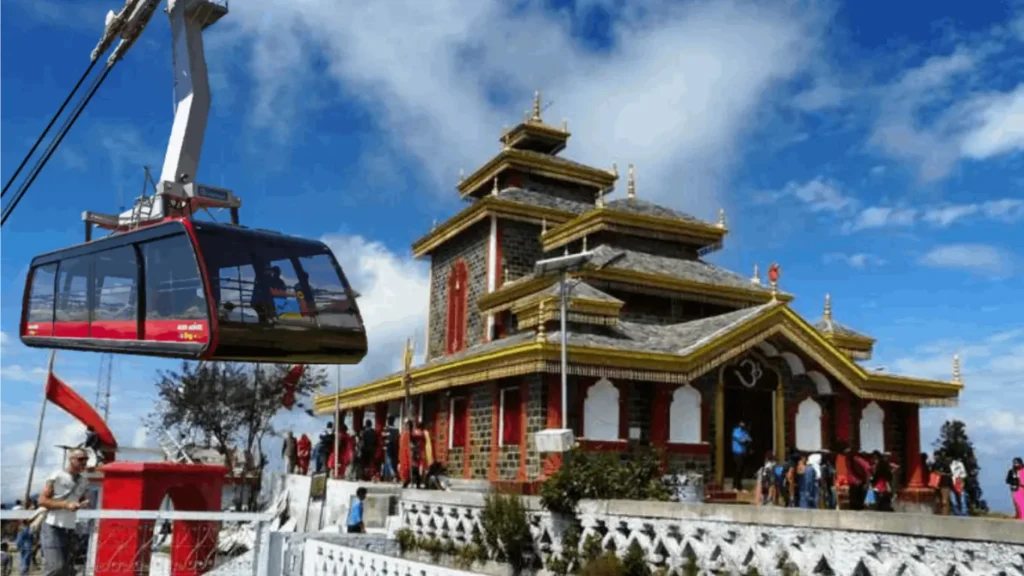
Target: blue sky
pixel 873 149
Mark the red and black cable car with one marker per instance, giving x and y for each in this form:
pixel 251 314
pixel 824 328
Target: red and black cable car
pixel 195 290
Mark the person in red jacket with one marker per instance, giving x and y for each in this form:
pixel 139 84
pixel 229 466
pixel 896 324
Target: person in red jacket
pixel 304 448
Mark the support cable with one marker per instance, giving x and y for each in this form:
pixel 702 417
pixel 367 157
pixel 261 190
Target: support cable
pixel 60 111
pixel 80 107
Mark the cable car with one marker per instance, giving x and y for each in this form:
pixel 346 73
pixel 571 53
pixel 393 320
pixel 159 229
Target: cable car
pixel 195 290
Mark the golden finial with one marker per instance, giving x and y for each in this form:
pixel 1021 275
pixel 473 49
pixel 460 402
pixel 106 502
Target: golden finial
pixel 721 218
pixel 631 185
pixel 828 306
pixel 600 198
pixel 956 369
pixel 615 169
pixel 535 116
pixel 565 125
pixel 543 225
pixel 504 273
pixel 584 243
pixel 541 331
pixel 407 355
pixel 494 189
pixel 462 175
pixel 756 278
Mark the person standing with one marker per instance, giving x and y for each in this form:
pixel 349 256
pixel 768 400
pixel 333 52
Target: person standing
pixel 957 496
pixel 355 523
pixel 367 449
pixel 391 437
pixel 63 494
pixel 290 453
pixel 324 447
pixel 25 542
pixel 1015 480
pixel 740 447
pixel 304 449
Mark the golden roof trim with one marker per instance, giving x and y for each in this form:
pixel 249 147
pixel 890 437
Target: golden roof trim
pixel 480 210
pixel 531 356
pixel 671 283
pixel 575 304
pixel 605 218
pixel 536 163
pixel 858 343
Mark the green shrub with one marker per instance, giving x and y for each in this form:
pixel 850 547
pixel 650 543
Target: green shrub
pixel 406 540
pixel 591 548
pixel 606 564
pixel 467 555
pixel 635 475
pixel 558 566
pixel 634 563
pixel 507 530
pixel 571 545
pixel 431 546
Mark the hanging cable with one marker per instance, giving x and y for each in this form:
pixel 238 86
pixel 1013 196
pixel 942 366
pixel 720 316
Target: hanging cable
pixel 48 126
pixel 79 108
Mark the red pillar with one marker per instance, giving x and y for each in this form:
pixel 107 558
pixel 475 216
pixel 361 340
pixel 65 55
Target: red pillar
pixel 124 545
pixel 915 465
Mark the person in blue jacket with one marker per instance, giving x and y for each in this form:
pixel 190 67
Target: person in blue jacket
pixel 355 513
pixel 740 448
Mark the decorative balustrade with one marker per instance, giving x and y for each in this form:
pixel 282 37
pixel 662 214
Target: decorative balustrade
pixel 736 539
pixel 322 558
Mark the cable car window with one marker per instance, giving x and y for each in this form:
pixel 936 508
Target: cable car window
pixel 174 287
pixel 116 272
pixel 330 294
pixel 40 298
pixel 233 289
pixel 73 290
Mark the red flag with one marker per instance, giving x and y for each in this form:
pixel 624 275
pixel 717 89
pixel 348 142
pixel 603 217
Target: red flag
pixel 291 381
pixel 69 401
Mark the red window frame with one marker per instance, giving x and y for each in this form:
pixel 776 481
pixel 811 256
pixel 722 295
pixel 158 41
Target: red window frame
pixel 458 293
pixel 511 416
pixel 459 422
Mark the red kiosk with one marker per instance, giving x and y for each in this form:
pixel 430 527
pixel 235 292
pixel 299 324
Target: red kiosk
pixel 124 545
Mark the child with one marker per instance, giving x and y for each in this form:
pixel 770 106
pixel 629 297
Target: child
pixel 766 481
pixel 5 560
pixel 355 513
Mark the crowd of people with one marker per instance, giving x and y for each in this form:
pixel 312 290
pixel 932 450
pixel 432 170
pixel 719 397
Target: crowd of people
pixel 366 454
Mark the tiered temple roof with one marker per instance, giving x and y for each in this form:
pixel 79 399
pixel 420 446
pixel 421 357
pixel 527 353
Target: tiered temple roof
pixel 647 307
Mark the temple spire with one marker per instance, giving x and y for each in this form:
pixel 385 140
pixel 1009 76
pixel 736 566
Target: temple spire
pixel 631 183
pixel 956 370
pixel 584 243
pixel 494 189
pixel 600 198
pixel 828 307
pixel 773 278
pixel 535 115
pixel 541 330
pixel 543 225
pixel 756 278
pixel 721 217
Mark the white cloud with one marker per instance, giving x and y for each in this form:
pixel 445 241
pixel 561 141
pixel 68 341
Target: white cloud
pixel 881 216
pixel 823 96
pixel 1006 210
pixel 998 125
pixel 859 260
pixel 977 258
pixel 19 373
pixel 675 93
pixel 394 295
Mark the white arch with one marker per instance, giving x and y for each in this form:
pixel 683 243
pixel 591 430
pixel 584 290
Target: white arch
pixel 796 365
pixel 808 425
pixel 601 411
pixel 768 349
pixel 872 428
pixel 821 382
pixel 684 417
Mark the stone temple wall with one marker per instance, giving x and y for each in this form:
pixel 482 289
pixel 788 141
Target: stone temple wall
pixel 731 539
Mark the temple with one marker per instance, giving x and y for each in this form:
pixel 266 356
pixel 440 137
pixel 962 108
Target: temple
pixel 664 348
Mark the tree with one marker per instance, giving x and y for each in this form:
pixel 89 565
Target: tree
pixel 953 444
pixel 232 404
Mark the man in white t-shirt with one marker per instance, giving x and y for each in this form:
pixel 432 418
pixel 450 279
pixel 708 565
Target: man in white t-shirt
pixel 63 494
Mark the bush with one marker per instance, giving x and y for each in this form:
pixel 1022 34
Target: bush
pixel 591 548
pixel 507 530
pixel 606 564
pixel 635 475
pixel 635 561
pixel 406 540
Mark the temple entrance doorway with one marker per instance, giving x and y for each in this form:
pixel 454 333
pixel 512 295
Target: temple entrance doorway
pixel 749 396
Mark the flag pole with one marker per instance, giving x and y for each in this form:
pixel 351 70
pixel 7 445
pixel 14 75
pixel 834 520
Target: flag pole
pixel 39 431
pixel 337 422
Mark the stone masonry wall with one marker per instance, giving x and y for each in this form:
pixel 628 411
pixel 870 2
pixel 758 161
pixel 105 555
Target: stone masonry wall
pixel 536 420
pixel 481 421
pixel 520 247
pixel 471 246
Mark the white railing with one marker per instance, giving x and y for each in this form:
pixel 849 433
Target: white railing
pixel 734 539
pixel 327 559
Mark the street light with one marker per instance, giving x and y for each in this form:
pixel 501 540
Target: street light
pixel 563 265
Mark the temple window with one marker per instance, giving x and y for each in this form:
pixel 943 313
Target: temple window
pixel 808 426
pixel 685 416
pixel 872 428
pixel 510 417
pixel 458 422
pixel 455 336
pixel 601 411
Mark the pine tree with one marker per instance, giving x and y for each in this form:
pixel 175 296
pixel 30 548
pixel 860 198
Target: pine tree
pixel 953 444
